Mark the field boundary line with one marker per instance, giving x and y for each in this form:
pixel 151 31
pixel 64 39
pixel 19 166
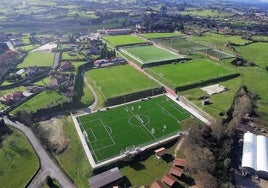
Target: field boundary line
pixel 167 111
pixel 95 139
pixel 107 132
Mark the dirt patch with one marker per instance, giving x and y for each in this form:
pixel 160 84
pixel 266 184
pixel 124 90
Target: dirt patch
pixel 51 133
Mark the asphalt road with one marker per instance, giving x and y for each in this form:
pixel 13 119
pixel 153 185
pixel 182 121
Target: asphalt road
pixel 48 166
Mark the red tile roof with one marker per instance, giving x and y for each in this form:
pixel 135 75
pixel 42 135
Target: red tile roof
pixel 160 152
pixel 157 184
pixel 176 171
pixel 169 179
pixel 179 162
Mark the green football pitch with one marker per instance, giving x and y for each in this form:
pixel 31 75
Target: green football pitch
pixel 115 131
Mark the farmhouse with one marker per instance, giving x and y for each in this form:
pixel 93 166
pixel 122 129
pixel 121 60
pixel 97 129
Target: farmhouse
pixel 255 155
pixel 11 98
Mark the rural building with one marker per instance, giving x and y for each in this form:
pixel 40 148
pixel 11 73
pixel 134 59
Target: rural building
pixel 11 98
pixel 116 31
pixel 176 171
pixel 255 155
pixel 160 152
pixel 107 62
pixel 157 184
pixel 179 162
pixel 106 178
pixel 66 66
pixel 169 180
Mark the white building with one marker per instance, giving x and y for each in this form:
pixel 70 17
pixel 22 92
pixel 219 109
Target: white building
pixel 255 155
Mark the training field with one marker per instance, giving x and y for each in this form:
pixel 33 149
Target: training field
pixel 118 80
pixel 150 54
pixel 122 129
pixel 119 40
pixel 160 35
pixel 180 44
pixel 217 54
pixel 194 71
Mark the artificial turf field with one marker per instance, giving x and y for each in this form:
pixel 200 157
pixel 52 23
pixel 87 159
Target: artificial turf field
pixel 115 131
pixel 149 54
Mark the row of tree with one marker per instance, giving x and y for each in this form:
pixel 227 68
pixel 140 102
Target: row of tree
pixel 208 148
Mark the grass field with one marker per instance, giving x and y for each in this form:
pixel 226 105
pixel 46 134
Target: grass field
pixel 18 161
pixel 121 129
pixel 219 40
pixel 160 35
pixel 220 102
pixel 256 52
pixel 193 71
pixel 122 40
pixel 217 54
pixel 37 59
pixel 181 44
pixel 118 80
pixel 78 170
pixel 205 13
pixel 149 54
pixel 45 99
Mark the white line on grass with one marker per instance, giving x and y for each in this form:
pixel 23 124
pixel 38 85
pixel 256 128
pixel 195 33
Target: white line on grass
pixel 163 109
pixel 141 123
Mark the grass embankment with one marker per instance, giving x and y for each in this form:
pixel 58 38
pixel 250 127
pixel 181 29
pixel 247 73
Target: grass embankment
pixel 73 160
pixel 18 161
pixel 44 59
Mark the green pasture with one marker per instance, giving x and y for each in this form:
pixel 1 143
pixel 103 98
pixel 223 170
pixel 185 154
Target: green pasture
pixel 149 54
pixel 160 35
pixel 181 44
pixel 118 40
pixel 260 38
pixel 45 99
pixel 28 47
pixel 115 131
pixel 194 71
pixel 118 80
pixel 220 103
pixel 18 161
pixel 256 52
pixel 37 59
pixel 76 56
pixel 219 40
pixel 205 13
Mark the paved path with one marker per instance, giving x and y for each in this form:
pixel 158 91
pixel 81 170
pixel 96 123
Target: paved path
pixel 94 106
pixel 48 166
pixel 56 60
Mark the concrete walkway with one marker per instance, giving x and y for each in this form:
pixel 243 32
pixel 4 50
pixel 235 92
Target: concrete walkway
pixel 48 166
